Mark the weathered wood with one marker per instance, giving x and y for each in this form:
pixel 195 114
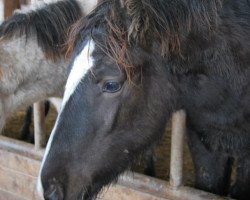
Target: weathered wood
pixel 118 192
pixel 18 173
pixel 177 145
pixel 20 148
pixel 5 195
pixel 160 188
pixel 39 125
pixel 10 6
pixel 17 183
pixel 19 164
pixel 24 2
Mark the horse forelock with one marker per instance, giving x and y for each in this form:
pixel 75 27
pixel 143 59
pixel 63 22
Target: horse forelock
pixel 130 23
pixel 49 25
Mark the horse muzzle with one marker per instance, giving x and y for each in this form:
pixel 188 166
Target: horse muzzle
pixel 54 191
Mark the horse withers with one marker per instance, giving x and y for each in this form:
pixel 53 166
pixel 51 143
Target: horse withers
pixel 134 63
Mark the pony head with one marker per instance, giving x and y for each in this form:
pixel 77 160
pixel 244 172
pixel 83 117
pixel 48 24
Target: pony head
pixel 121 89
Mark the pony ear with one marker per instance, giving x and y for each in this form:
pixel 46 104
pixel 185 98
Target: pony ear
pixel 122 3
pixel 139 26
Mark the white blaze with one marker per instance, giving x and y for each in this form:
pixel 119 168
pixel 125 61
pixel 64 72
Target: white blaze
pixel 82 63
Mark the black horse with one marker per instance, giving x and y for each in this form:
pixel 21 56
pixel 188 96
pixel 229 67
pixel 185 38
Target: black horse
pixel 134 63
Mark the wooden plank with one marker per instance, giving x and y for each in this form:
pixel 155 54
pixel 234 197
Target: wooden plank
pixel 20 148
pixel 177 145
pixel 39 125
pixel 22 182
pixel 19 163
pixel 160 188
pixel 118 192
pixel 10 6
pixel 5 195
pixel 17 183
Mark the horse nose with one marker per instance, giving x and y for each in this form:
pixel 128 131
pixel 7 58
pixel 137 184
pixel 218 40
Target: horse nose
pixel 54 191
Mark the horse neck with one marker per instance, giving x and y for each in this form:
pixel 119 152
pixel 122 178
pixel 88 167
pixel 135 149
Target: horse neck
pixel 18 48
pixel 24 53
pixel 23 61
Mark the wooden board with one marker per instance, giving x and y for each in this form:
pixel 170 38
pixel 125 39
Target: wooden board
pixel 10 6
pixel 18 180
pixel 5 195
pixel 19 167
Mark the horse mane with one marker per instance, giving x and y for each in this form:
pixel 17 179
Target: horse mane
pixel 142 22
pixel 48 24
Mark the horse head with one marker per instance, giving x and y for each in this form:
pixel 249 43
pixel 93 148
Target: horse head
pixel 121 90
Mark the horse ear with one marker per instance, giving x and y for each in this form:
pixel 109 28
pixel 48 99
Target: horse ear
pixel 139 25
pixel 122 3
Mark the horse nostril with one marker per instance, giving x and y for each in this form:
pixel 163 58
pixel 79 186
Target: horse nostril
pixel 54 191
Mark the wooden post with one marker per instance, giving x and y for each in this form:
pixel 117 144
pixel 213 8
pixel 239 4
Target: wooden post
pixel 39 125
pixel 177 141
pixel 24 2
pixel 10 6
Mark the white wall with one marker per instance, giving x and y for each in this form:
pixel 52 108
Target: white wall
pixel 1 10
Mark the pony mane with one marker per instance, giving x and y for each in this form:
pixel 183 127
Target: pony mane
pixel 48 24
pixel 141 22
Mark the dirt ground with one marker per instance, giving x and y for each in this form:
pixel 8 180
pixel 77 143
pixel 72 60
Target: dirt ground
pixel 162 162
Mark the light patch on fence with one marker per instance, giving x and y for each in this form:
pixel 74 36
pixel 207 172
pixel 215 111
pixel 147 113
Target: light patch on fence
pixel 82 63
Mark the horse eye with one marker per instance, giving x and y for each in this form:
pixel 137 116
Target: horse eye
pixel 111 87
